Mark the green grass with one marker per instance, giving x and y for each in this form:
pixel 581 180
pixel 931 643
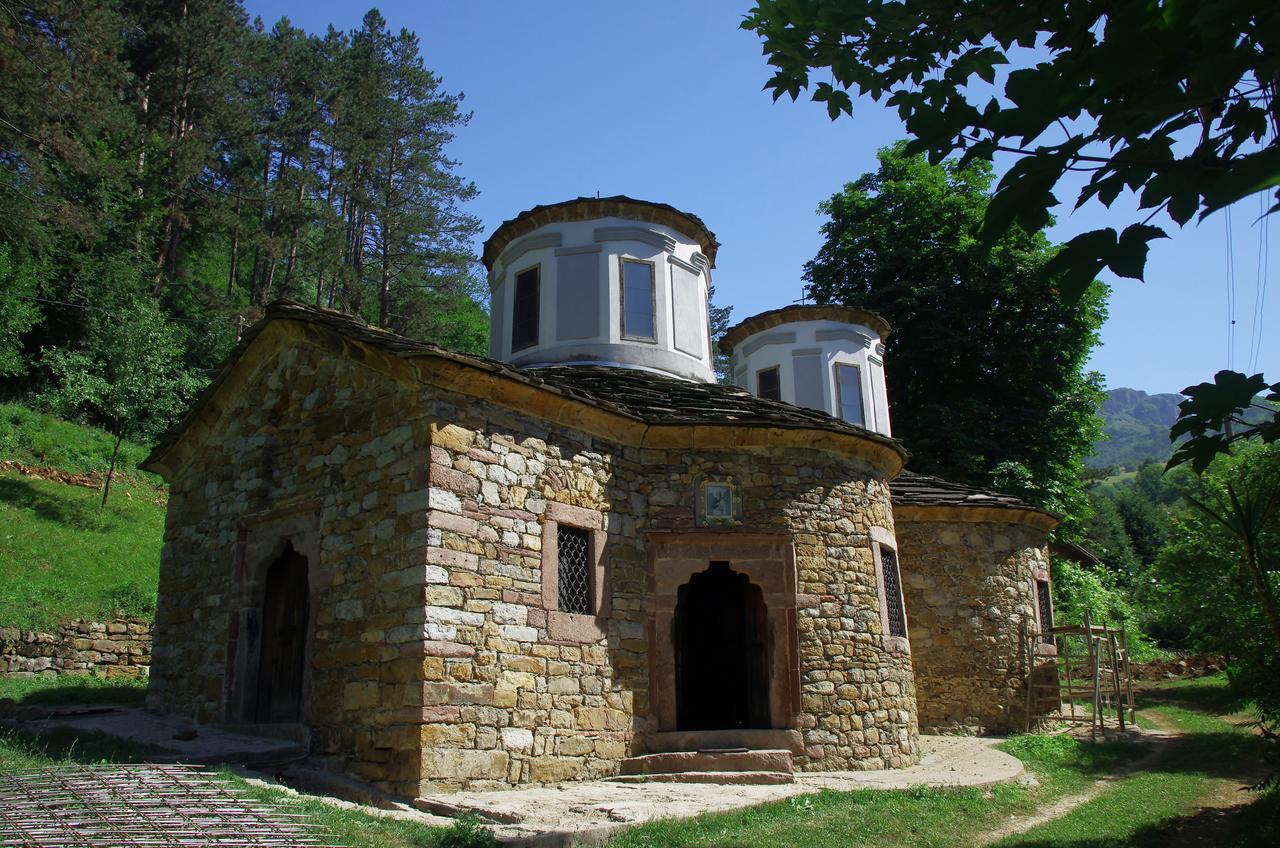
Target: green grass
pixel 86 689
pixel 357 829
pixel 34 438
pixel 362 830
pixel 63 557
pixel 1150 807
pixel 914 817
pixel 68 560
pixel 63 746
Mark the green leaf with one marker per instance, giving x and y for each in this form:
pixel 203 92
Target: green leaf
pixel 1023 195
pixel 1130 255
pixel 1077 263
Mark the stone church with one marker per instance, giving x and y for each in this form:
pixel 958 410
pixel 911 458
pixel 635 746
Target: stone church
pixel 583 557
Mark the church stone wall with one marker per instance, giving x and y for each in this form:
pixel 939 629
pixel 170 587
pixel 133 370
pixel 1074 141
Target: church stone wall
pixel 969 590
pixel 509 701
pixel 432 662
pixel 330 454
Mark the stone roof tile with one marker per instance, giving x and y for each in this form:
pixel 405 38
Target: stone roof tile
pixel 640 395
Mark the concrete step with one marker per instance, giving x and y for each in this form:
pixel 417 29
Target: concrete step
pixel 732 778
pixel 708 740
pixel 735 760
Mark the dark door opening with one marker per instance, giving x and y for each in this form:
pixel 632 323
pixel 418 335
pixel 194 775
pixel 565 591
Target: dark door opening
pixel 284 640
pixel 721 652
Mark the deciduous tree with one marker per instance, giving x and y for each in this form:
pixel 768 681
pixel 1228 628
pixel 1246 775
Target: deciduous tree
pixel 985 367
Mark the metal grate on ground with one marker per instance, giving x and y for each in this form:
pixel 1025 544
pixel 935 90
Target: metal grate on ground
pixel 142 806
pixel 573 555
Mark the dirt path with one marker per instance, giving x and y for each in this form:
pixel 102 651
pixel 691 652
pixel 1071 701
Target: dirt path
pixel 1215 822
pixel 1160 740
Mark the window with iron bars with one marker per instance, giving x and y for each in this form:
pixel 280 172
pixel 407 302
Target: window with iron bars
pixel 892 591
pixel 573 546
pixel 1045 599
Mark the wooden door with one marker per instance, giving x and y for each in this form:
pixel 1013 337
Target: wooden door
pixel 285 610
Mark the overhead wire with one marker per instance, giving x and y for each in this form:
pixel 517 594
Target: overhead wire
pixel 1231 294
pixel 1260 285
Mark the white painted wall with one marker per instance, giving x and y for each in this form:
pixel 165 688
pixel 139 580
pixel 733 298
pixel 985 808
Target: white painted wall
pixel 607 347
pixel 776 346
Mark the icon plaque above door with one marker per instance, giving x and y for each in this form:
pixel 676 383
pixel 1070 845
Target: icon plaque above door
pixel 718 502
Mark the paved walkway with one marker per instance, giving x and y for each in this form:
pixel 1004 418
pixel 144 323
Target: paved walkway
pixel 589 812
pixel 584 813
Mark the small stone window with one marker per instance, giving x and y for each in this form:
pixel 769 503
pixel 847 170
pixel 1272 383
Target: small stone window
pixel 573 564
pixel 1044 602
pixel 892 581
pixel 638 300
pixel 574 584
pixel 769 384
pixel 524 318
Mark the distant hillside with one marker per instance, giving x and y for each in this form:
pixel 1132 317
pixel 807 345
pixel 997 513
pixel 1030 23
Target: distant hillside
pixel 1137 427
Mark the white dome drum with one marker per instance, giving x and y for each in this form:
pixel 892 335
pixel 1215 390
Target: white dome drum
pixel 602 281
pixel 822 357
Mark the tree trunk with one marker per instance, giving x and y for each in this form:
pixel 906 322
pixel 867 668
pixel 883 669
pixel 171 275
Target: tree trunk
pixel 235 250
pixel 1260 586
pixel 106 486
pixel 269 275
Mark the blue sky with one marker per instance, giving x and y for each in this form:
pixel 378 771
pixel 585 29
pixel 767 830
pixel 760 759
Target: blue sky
pixel 663 101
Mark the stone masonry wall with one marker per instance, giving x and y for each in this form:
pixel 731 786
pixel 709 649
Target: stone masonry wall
pixel 432 662
pixel 969 587
pixel 329 452
pixel 512 700
pixel 113 648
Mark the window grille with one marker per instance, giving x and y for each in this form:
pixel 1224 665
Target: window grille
pixel 1045 599
pixel 893 592
pixel 574 564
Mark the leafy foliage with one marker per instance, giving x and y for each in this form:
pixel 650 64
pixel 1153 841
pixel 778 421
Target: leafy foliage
pixel 985 367
pixel 1212 417
pixel 1077 588
pixel 719 319
pixel 19 311
pixel 1175 101
pixel 1201 583
pixel 128 378
pixel 190 161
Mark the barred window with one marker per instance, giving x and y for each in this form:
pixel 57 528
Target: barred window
pixel 892 591
pixel 1045 599
pixel 573 546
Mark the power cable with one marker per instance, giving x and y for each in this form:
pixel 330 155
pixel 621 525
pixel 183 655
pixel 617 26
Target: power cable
pixel 1231 295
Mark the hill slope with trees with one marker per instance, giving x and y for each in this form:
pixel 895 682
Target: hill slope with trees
pixel 179 162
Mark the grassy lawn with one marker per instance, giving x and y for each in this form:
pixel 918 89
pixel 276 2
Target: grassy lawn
pixel 72 561
pixel 64 558
pixel 1159 805
pixel 1155 806
pixel 915 817
pixel 34 438
pixel 89 689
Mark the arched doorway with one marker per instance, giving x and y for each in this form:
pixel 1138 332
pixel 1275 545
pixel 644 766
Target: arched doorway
pixel 721 652
pixel 285 607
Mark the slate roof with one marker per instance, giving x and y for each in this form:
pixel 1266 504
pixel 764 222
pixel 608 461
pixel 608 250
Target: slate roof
pixel 802 312
pixel 911 489
pixel 591 208
pixel 640 395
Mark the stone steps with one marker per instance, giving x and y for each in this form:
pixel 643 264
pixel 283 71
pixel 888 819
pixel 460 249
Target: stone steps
pixel 731 778
pixel 739 765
